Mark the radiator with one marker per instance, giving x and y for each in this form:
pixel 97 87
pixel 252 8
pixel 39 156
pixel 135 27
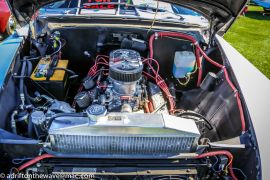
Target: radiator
pixel 126 134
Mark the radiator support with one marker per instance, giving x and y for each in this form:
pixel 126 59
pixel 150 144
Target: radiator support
pixel 124 134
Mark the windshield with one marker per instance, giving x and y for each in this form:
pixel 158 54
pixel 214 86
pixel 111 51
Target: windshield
pixel 142 9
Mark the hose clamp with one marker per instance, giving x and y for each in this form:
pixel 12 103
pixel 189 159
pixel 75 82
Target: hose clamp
pixel 156 35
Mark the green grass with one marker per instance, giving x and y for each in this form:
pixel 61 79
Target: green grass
pixel 250 35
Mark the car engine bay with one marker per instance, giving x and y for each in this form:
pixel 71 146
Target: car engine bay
pixel 120 95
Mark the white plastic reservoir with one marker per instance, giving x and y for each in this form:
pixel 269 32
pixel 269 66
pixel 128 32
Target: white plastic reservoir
pixel 184 62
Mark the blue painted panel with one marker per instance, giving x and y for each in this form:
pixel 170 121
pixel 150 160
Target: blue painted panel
pixel 265 3
pixel 8 50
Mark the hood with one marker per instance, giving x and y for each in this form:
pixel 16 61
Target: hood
pixel 221 13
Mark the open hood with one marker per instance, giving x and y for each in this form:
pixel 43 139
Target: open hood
pixel 221 13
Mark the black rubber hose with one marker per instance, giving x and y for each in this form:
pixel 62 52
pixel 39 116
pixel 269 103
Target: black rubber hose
pixel 198 115
pixel 21 84
pixel 29 72
pixel 58 50
pixel 27 96
pixel 29 68
pixel 73 74
pixel 22 76
pixel 30 129
pixel 61 45
pixel 32 59
pixel 40 87
pixel 51 119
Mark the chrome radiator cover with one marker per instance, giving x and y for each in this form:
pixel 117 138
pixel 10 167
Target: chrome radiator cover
pixel 124 134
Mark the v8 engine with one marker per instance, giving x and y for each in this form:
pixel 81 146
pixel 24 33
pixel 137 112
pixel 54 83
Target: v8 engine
pixel 120 88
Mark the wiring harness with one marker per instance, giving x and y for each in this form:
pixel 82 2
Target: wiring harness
pixel 198 53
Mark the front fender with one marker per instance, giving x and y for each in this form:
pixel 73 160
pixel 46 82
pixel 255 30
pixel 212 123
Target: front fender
pixel 255 88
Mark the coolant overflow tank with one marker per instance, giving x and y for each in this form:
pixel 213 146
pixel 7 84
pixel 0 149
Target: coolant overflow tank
pixel 184 62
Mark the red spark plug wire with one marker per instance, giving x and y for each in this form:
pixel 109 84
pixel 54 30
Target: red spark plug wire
pixel 159 81
pixel 199 50
pixel 100 60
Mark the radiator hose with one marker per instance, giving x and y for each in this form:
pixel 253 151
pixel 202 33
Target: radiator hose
pixel 51 119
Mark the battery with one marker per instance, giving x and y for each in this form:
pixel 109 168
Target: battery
pixel 57 84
